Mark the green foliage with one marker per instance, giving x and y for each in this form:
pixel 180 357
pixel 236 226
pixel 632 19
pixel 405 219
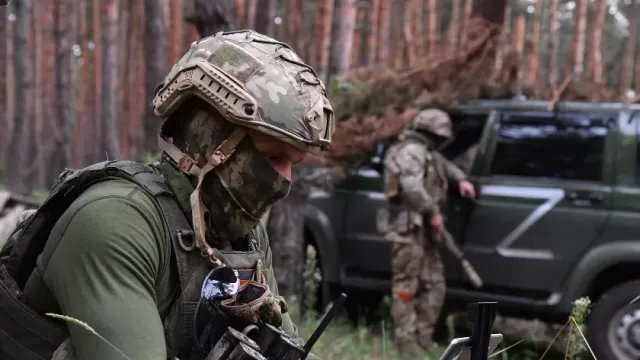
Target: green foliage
pixel 149 157
pixel 579 313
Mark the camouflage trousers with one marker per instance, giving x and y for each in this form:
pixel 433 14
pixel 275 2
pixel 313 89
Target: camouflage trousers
pixel 418 290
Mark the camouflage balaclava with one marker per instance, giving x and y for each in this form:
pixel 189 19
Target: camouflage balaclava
pixel 246 81
pixel 238 192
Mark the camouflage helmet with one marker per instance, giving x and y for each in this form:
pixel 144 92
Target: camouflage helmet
pixel 434 121
pixel 255 82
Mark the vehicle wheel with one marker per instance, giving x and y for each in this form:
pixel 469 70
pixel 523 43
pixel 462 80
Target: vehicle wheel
pixel 613 328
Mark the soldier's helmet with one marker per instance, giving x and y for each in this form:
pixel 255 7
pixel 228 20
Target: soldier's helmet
pixel 256 82
pixel 433 121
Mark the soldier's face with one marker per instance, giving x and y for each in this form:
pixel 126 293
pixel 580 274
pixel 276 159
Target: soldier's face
pixel 280 155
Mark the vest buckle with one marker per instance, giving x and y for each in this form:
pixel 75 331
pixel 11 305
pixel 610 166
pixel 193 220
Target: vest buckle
pixel 186 240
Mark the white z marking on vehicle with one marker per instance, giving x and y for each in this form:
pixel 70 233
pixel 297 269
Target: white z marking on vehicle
pixel 552 196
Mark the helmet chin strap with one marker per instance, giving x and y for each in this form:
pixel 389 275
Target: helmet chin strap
pixel 219 156
pixel 188 165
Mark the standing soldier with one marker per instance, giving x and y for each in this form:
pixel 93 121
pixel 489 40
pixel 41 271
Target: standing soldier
pixel 416 186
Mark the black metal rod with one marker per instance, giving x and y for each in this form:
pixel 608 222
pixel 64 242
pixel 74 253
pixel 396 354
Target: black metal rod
pixel 483 315
pixel 323 324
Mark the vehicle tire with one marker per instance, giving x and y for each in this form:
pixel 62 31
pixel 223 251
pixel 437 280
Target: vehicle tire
pixel 613 327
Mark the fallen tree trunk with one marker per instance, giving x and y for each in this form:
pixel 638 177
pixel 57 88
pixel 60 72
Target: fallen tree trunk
pixel 373 104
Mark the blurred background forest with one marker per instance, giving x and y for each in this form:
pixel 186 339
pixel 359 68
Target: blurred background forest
pixel 80 74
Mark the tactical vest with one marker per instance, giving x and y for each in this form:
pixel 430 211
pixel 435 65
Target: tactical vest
pixel 434 180
pixel 27 334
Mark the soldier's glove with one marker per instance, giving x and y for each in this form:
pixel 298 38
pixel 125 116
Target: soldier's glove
pixel 254 303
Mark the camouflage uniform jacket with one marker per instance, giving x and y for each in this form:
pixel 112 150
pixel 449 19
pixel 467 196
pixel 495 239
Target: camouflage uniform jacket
pixel 416 181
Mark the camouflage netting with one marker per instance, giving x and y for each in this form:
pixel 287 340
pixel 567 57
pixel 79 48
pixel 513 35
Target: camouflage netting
pixel 373 104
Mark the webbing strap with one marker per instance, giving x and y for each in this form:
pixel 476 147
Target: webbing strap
pixel 178 324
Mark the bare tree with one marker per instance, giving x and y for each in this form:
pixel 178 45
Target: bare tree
pixel 155 49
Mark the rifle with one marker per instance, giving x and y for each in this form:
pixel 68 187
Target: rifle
pixel 447 240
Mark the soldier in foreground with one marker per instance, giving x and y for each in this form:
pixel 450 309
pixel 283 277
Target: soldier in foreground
pixel 416 184
pixel 129 248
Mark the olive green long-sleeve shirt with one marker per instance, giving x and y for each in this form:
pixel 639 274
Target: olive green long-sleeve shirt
pixel 107 263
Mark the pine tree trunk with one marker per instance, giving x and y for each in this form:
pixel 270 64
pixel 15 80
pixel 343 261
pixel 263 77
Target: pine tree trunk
pixel 83 92
pixel 345 27
pixel 372 38
pixel 4 98
pixel 433 31
pixel 98 151
pixel 466 17
pixel 397 43
pixel 553 43
pixel 454 26
pixel 534 53
pixel 295 27
pixel 595 55
pixel 64 87
pixel 22 82
pixel 241 14
pixel 417 26
pixel 111 140
pixel 38 96
pixel 504 39
pixel 252 8
pixel 322 37
pixel 626 73
pixel 519 37
pixel 384 28
pixel 356 46
pixel 580 37
pixel 155 47
pixel 408 34
pixel 175 33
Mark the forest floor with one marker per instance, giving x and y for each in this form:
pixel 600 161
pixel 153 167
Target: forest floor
pixel 523 339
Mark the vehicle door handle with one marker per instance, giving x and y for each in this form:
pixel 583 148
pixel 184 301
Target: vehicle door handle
pixel 585 197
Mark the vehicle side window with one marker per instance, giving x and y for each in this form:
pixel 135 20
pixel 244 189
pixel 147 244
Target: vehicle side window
pixel 567 146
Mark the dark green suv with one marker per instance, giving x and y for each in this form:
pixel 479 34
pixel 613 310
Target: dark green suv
pixel 557 216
